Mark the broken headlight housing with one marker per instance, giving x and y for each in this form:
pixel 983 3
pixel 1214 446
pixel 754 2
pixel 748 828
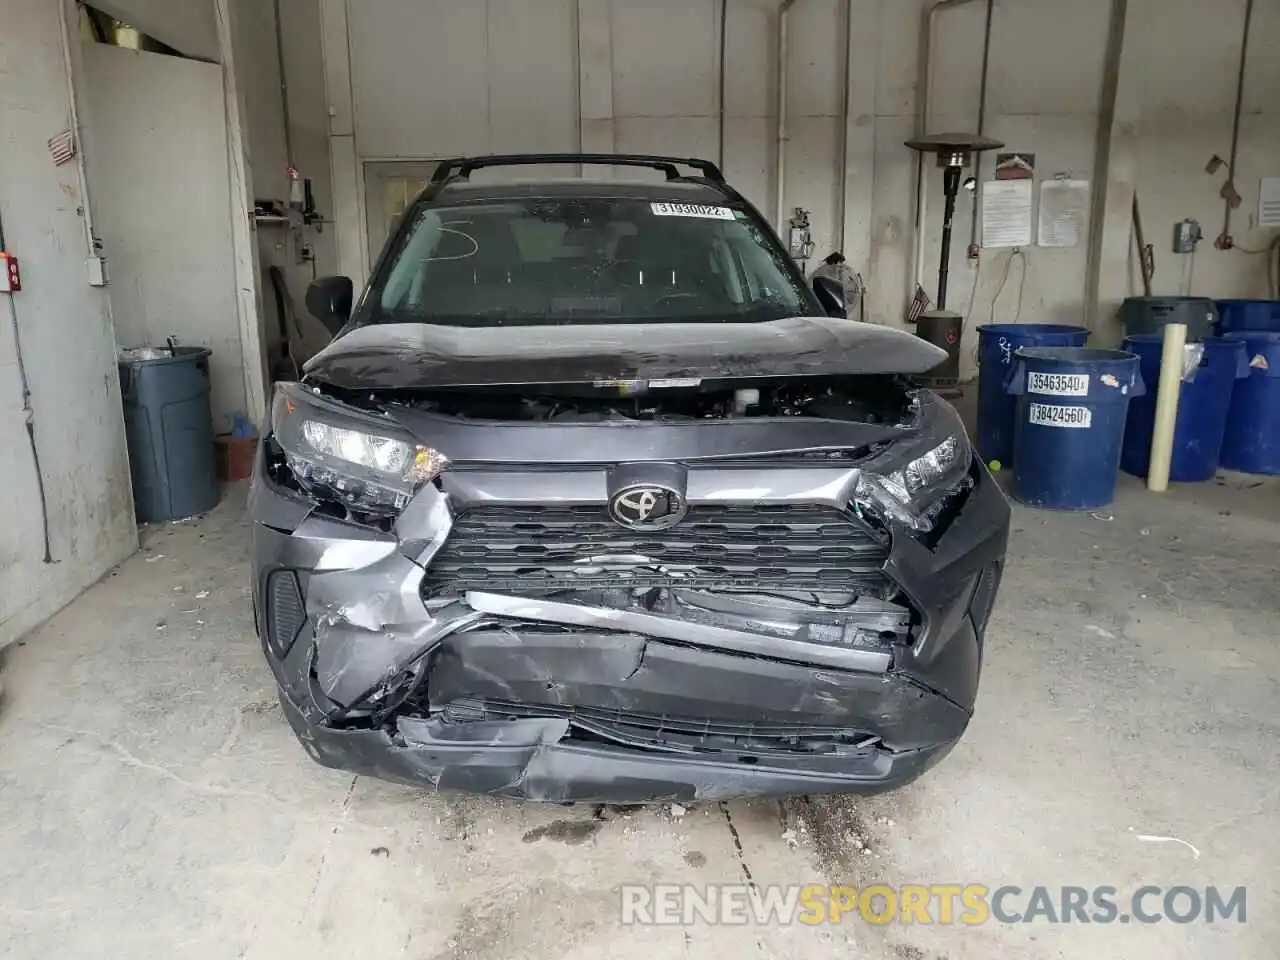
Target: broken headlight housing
pixel 912 480
pixel 365 461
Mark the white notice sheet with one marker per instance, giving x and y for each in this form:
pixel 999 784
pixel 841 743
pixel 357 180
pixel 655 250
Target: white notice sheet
pixel 1064 208
pixel 1006 213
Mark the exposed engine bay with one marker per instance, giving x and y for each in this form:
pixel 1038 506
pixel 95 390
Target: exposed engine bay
pixel 864 399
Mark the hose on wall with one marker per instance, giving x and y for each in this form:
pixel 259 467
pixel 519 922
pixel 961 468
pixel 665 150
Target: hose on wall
pixel 28 414
pixel 1231 199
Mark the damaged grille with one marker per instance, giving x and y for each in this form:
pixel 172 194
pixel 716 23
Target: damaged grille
pixel 673 734
pixel 793 547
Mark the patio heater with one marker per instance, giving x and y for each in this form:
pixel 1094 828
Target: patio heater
pixel 941 326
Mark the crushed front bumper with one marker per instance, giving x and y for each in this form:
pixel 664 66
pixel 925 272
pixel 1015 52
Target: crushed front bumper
pixel 570 714
pixel 530 759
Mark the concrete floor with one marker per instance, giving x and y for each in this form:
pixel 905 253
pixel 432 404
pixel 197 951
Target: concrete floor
pixel 155 804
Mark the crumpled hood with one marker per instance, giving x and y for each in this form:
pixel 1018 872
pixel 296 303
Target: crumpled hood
pixel 405 355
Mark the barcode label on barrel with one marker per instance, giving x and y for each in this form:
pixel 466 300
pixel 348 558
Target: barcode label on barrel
pixel 1050 415
pixel 1059 384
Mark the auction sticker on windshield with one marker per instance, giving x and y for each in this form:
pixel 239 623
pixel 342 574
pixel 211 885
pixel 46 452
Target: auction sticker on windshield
pixel 1059 384
pixel 691 210
pixel 1051 415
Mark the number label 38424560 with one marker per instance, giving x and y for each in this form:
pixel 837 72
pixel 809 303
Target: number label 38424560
pixel 1054 415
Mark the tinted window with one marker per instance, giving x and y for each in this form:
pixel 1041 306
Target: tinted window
pixel 534 260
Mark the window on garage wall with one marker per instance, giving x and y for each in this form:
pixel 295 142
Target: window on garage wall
pixel 391 185
pixel 389 189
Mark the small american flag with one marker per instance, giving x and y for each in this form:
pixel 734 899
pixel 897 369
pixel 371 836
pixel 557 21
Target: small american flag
pixel 918 305
pixel 62 147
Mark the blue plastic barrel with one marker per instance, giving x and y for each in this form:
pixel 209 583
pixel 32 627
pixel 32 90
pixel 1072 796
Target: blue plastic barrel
pixel 997 343
pixel 1069 424
pixel 1202 407
pixel 1238 316
pixel 1252 441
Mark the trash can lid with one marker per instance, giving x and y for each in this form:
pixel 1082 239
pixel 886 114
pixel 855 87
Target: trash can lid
pixel 133 356
pixel 1029 329
pixel 1210 343
pixel 1268 336
pixel 1085 355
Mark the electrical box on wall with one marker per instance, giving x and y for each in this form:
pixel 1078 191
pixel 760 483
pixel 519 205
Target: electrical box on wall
pixel 97 267
pixel 1186 236
pixel 1269 204
pixel 10 277
pixel 799 239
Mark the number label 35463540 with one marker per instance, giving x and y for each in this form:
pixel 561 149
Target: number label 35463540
pixel 1058 384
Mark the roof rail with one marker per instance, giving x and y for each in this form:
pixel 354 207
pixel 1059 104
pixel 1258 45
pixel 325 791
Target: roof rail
pixel 461 167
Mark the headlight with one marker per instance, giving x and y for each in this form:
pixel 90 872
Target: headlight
pixel 910 480
pixel 361 459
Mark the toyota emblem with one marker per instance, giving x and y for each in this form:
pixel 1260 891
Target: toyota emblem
pixel 647 507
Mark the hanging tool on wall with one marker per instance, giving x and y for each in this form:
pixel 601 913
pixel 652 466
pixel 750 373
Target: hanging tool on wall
pixel 1146 252
pixel 283 358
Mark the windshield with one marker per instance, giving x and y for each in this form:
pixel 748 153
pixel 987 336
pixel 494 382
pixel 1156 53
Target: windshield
pixel 586 259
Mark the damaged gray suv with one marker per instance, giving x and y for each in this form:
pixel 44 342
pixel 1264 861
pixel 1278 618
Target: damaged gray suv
pixel 592 498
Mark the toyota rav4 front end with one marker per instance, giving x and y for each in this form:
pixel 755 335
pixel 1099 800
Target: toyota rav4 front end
pixel 589 502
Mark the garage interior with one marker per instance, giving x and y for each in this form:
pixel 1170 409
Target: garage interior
pixel 182 169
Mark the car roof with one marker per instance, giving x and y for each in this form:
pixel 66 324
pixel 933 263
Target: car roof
pixel 680 191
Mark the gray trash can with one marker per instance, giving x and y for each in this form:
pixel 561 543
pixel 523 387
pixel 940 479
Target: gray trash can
pixel 1152 314
pixel 169 428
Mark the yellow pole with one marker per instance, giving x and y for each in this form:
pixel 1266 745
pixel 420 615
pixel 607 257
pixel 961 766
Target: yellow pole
pixel 1175 338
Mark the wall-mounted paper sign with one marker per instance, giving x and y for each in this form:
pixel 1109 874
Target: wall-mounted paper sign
pixel 1064 210
pixel 1006 213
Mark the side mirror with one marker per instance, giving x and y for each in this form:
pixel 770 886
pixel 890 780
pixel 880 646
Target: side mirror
pixel 831 295
pixel 329 301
